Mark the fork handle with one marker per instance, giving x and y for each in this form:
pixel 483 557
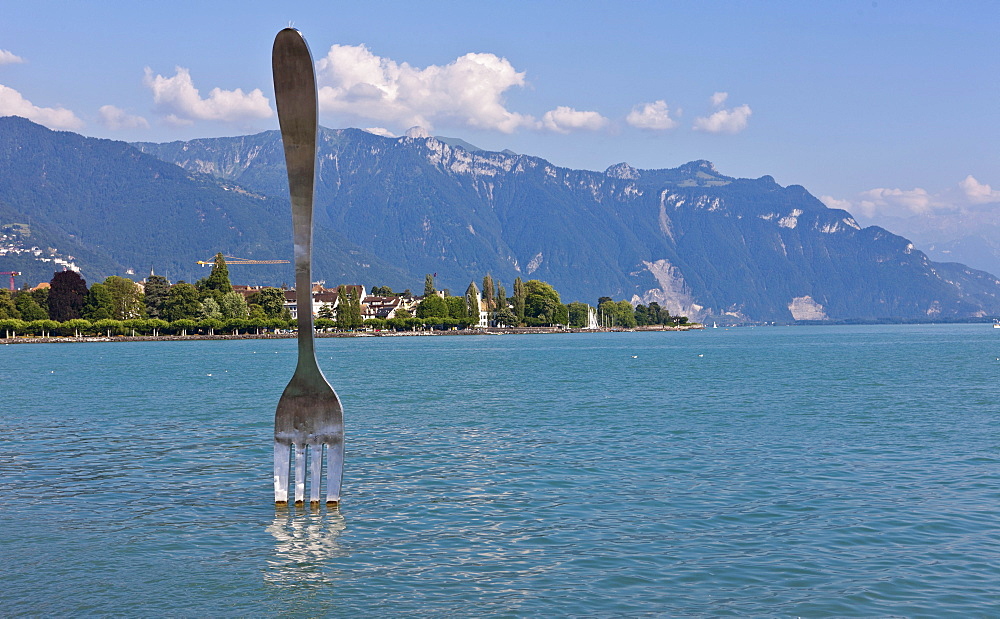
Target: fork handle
pixel 296 99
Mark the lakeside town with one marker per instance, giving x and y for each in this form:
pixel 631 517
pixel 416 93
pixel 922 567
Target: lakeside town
pixel 67 309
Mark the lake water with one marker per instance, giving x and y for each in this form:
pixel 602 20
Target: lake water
pixel 789 471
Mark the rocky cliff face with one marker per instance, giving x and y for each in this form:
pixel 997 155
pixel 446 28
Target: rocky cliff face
pixel 697 241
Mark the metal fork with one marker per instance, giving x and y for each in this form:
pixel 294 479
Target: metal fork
pixel 309 412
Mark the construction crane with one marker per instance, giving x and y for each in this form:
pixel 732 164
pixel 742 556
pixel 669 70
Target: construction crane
pixel 12 274
pixel 232 260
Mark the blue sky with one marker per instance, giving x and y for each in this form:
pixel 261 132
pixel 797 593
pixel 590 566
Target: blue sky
pixel 884 108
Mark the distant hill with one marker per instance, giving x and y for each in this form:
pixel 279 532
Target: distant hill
pixel 696 241
pixel 390 210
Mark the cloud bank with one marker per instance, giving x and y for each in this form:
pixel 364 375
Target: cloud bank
pixel 182 104
pixel 115 118
pixel 13 104
pixel 969 194
pixel 565 119
pixel 653 116
pixel 467 91
pixel 978 193
pixel 731 120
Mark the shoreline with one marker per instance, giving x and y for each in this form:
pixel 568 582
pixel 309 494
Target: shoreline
pixel 69 339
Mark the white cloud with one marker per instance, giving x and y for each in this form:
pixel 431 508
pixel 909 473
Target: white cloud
pixel 719 98
pixel 7 57
pixel 883 202
pixel 115 118
pixel 182 104
pixel 565 119
pixel 468 91
pixel 381 131
pixel 965 200
pixel 654 116
pixel 13 104
pixel 978 193
pixel 832 202
pixel 732 120
pixel 895 202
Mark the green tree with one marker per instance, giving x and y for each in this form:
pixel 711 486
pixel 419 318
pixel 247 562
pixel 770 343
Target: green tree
pixel 578 314
pixel 257 312
pixel 489 293
pixel 520 294
pixel 428 285
pixel 41 296
pixel 76 326
pixel 155 325
pixel 28 307
pixel 348 308
pixel 132 325
pixel 542 305
pixel 126 298
pixel 382 291
pixel 271 300
pixel 11 326
pixel 456 308
pixel 218 279
pixel 98 305
pixel 234 305
pixel 211 324
pixel 642 315
pixel 43 327
pixel 67 292
pixel 432 306
pixel 472 303
pixel 108 326
pixel 8 310
pixel 505 317
pixel 209 310
pixel 626 314
pixel 501 297
pixel 183 325
pixel 182 302
pixel 156 291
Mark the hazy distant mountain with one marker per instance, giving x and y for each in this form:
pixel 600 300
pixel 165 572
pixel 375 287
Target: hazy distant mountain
pixel 970 236
pixel 695 240
pixel 390 210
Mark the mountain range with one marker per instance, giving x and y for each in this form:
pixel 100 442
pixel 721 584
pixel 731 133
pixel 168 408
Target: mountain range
pixel 389 210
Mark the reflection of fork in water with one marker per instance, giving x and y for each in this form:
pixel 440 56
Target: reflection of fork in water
pixel 306 541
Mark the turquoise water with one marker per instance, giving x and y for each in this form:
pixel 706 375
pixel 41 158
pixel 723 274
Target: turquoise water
pixel 796 471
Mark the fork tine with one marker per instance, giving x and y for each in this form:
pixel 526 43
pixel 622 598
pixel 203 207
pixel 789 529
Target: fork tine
pixel 282 455
pixel 315 472
pixel 334 471
pixel 300 473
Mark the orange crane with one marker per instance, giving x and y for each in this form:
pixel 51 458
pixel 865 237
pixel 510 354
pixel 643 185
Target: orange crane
pixel 12 274
pixel 232 260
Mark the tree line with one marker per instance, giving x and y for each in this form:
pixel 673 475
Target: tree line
pixel 534 303
pixel 120 306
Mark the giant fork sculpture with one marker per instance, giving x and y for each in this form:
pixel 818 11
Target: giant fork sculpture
pixel 309 412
